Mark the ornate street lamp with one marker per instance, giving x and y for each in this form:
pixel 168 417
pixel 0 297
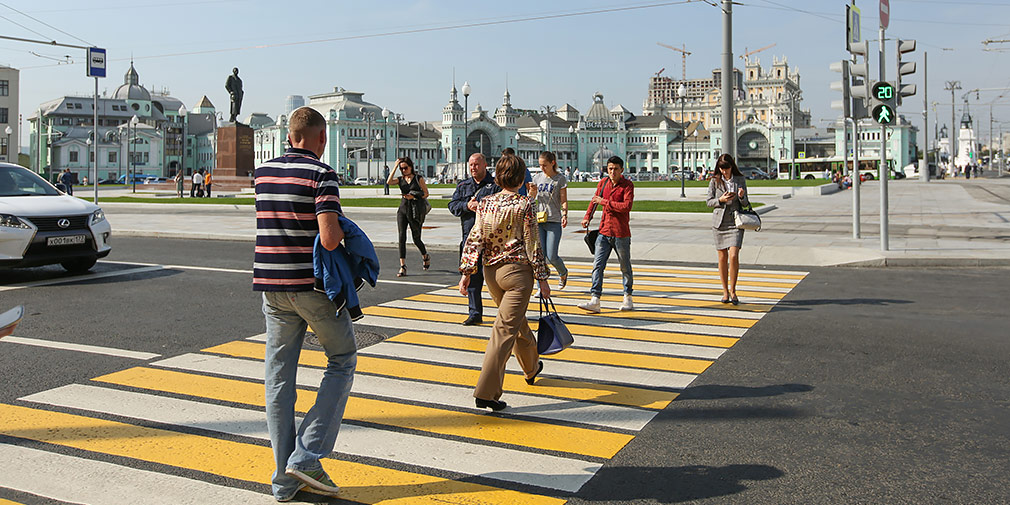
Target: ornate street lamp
pixel 133 161
pixel 385 152
pixel 466 118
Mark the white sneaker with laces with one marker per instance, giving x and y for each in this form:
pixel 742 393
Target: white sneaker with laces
pixel 593 305
pixel 627 305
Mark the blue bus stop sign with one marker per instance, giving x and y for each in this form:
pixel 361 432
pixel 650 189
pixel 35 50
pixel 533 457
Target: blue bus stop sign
pixel 96 62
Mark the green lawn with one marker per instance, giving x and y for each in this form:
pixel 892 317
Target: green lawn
pixel 441 203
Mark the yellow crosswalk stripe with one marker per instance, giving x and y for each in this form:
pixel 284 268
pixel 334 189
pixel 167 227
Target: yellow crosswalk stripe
pixel 645 361
pixel 612 313
pixel 682 271
pixel 685 289
pixel 8 502
pixel 506 430
pixel 670 302
pixel 235 460
pixel 577 329
pixel 762 284
pixel 514 382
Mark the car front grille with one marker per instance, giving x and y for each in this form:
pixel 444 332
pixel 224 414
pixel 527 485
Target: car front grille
pixel 48 223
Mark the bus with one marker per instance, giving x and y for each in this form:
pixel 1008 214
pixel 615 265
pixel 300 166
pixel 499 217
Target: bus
pixel 814 168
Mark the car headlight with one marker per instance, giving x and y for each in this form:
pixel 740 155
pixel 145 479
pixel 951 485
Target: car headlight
pixel 97 216
pixel 10 221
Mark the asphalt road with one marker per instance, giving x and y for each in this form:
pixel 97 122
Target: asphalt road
pixel 860 386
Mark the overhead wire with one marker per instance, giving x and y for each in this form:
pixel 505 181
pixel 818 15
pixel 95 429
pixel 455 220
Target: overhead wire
pixel 410 31
pixel 46 24
pixel 40 34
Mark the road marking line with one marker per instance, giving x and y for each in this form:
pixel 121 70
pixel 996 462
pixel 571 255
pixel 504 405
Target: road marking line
pixel 643 304
pixel 529 401
pixel 785 274
pixel 534 469
pixel 649 288
pixel 74 479
pixel 507 430
pixel 748 275
pixel 92 349
pixel 581 341
pixel 558 369
pixel 533 308
pixel 249 272
pixel 575 355
pixel 643 284
pixel 589 325
pixel 80 278
pixel 359 482
pixel 664 279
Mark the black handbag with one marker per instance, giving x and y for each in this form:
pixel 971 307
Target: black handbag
pixel 593 235
pixel 552 334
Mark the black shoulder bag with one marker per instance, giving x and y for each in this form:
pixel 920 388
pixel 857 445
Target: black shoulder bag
pixel 592 235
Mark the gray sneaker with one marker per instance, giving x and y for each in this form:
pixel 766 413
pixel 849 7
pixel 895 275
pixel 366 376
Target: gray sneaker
pixel 317 480
pixel 291 496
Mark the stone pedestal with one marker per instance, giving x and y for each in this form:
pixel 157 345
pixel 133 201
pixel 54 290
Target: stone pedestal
pixel 234 151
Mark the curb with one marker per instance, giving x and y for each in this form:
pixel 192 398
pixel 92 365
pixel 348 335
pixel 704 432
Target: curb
pixel 928 262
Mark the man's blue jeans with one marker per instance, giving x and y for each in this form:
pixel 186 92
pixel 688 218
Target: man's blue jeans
pixel 287 315
pixel 550 240
pixel 604 245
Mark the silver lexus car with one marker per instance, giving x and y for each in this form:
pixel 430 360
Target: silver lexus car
pixel 41 225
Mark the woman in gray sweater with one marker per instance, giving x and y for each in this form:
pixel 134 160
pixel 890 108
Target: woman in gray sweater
pixel 727 194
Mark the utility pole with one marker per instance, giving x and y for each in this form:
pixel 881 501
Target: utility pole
pixel 952 86
pixel 924 164
pixel 883 171
pixel 728 118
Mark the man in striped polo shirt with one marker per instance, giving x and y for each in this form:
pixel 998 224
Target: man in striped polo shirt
pixel 297 198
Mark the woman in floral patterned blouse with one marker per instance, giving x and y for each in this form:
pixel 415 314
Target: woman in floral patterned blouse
pixel 506 233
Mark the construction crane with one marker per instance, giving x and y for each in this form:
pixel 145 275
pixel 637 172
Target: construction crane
pixel 660 71
pixel 747 53
pixel 684 53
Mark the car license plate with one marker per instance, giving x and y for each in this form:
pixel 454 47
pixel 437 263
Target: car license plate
pixel 67 240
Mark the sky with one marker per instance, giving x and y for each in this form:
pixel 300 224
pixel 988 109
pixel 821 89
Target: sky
pixel 403 54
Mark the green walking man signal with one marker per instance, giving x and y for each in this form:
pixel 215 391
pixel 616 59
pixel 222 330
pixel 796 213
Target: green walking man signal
pixel 884 98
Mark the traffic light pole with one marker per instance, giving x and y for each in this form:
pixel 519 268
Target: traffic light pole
pixel 883 171
pixel 854 173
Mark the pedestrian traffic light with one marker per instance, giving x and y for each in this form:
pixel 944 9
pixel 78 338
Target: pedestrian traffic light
pixel 883 103
pixel 859 86
pixel 843 85
pixel 905 68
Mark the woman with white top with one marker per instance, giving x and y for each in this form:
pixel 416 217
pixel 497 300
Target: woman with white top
pixel 552 204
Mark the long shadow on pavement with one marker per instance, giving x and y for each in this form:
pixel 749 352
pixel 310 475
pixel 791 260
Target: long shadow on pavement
pixel 717 391
pixel 673 484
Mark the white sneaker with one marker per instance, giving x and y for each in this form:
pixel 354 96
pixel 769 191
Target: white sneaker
pixel 593 305
pixel 627 305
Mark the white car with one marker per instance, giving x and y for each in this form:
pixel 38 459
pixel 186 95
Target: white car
pixel 40 225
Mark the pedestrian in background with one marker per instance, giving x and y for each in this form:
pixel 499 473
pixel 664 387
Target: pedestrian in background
pixel 67 179
pixel 552 211
pixel 463 205
pixel 180 183
pixel 727 194
pixel 615 194
pixel 505 235
pixel 413 202
pixel 207 181
pixel 196 190
pixel 297 198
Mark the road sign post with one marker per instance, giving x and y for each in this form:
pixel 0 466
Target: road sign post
pixel 96 68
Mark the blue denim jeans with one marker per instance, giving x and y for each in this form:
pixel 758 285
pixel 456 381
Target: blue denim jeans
pixel 287 316
pixel 604 245
pixel 550 239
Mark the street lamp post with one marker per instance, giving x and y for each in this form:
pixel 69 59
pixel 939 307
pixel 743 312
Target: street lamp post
pixel 182 154
pixel 134 121
pixel 92 161
pixel 793 96
pixel 8 131
pixel 682 93
pixel 548 110
pixel 575 148
pixel 385 152
pixel 368 116
pixel 466 120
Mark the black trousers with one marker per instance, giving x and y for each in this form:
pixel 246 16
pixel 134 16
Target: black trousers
pixel 208 189
pixel 415 230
